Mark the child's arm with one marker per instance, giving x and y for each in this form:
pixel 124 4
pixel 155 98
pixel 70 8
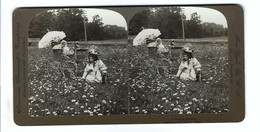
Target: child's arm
pixel 86 70
pixel 178 73
pixel 181 68
pixel 102 67
pixel 103 70
pixel 197 65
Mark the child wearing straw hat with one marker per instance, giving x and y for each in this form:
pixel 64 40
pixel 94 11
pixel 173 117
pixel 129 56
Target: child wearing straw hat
pixel 95 70
pixel 190 67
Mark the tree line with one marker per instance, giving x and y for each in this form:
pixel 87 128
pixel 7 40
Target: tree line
pixel 71 21
pixel 169 21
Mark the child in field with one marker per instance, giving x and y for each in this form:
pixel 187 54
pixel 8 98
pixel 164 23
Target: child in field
pixel 65 50
pixel 62 52
pixel 95 70
pixel 160 47
pixel 190 68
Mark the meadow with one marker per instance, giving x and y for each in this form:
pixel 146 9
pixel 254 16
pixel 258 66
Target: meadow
pixel 53 94
pixel 133 86
pixel 153 93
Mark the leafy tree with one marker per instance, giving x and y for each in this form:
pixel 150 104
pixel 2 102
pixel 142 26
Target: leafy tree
pixel 40 24
pixel 139 21
pixel 68 20
pixel 114 32
pixel 213 30
pixel 193 27
pixel 166 19
pixel 71 21
pixel 95 29
pixel 226 32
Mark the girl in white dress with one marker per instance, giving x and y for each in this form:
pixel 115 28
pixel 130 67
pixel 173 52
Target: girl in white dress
pixel 190 67
pixel 95 70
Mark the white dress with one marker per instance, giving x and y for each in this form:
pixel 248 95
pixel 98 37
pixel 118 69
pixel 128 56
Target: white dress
pixel 188 69
pixel 93 73
pixel 67 51
pixel 162 49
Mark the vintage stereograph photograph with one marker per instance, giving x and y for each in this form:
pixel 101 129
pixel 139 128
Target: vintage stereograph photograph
pixel 151 64
pixel 178 61
pixel 77 63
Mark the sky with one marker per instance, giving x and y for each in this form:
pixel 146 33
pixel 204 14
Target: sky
pixel 108 17
pixel 114 18
pixel 206 15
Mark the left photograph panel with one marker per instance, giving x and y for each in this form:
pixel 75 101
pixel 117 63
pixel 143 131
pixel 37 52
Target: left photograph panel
pixel 77 63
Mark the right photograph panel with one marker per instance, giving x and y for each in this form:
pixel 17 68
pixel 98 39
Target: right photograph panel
pixel 178 61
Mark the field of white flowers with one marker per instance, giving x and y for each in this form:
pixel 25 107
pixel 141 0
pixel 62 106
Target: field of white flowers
pixel 132 86
pixel 153 93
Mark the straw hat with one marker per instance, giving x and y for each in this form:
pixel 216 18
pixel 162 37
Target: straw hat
pixel 93 50
pixel 187 49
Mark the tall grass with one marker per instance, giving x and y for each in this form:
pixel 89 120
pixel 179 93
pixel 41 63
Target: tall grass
pixel 132 86
pixel 161 94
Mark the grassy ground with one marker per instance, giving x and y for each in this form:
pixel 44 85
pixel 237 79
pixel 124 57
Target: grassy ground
pixel 149 92
pixel 52 94
pixel 207 39
pixel 163 93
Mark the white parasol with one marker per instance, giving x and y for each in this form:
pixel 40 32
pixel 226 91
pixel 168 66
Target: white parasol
pixel 145 34
pixel 52 36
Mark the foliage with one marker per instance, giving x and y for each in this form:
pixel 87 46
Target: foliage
pixel 153 93
pixel 95 29
pixel 114 32
pixel 193 27
pixel 71 21
pixel 132 86
pixel 213 30
pixel 40 24
pixel 139 21
pixel 51 94
pixel 168 21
